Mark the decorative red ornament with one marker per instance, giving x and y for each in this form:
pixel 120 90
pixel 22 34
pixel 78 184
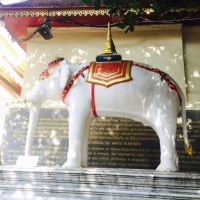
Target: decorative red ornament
pixel 93 100
pixel 171 85
pixel 68 87
pixel 46 73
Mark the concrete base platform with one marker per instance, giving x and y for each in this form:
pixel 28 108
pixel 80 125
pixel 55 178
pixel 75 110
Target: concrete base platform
pixel 57 183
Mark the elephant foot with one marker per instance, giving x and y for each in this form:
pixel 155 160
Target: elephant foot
pixel 84 166
pixel 167 168
pixel 69 164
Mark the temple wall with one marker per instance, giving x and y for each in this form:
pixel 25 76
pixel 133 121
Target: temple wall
pixel 171 48
pixel 191 46
pixel 160 46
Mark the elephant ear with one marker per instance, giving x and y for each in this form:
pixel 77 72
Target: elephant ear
pixel 64 74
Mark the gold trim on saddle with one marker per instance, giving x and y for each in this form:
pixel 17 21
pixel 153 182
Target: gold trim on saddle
pixel 108 74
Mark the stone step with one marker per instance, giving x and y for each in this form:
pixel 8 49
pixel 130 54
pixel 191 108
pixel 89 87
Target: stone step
pixel 50 183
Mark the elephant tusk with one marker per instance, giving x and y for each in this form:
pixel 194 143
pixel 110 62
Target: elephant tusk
pixel 25 102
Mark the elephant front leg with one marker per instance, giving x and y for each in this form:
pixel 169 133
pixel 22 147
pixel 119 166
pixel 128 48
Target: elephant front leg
pixel 77 123
pixel 84 161
pixel 33 120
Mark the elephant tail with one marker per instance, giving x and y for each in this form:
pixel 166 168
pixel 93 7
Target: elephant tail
pixel 187 144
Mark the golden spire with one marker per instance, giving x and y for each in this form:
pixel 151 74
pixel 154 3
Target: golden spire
pixel 109 47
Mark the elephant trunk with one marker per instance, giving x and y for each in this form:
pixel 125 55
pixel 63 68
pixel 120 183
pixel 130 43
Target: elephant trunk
pixel 33 120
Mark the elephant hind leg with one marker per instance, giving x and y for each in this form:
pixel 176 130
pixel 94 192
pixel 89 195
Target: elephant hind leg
pixel 168 155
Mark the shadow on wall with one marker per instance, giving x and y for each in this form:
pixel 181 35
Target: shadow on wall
pixel 191 45
pixel 161 49
pixel 157 56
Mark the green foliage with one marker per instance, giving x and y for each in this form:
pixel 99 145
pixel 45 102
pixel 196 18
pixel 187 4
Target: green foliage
pixel 129 12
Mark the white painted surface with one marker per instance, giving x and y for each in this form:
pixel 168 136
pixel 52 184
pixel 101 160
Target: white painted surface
pixel 146 98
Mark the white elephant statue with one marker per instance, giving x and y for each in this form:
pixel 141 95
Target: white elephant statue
pixel 146 98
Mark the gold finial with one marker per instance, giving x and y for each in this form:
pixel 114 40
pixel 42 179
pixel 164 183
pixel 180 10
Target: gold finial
pixel 109 47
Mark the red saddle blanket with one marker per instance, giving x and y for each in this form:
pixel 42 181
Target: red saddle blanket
pixel 109 73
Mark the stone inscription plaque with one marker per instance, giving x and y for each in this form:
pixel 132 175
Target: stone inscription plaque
pixel 50 141
pixel 113 142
